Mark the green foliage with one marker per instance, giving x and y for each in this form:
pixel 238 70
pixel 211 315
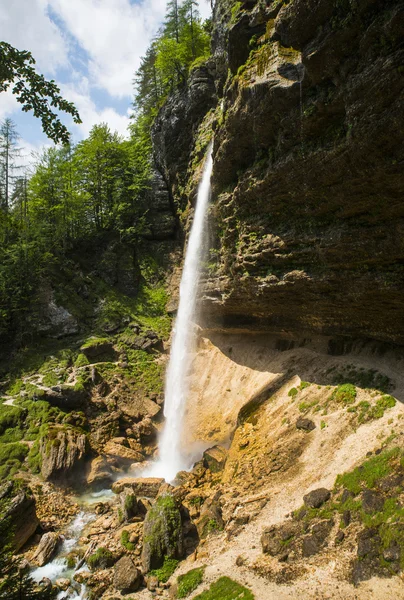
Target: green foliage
pixel 367 474
pixel 125 541
pixel 292 392
pixel 12 455
pixel 182 40
pixel 345 394
pixel 164 573
pixel 363 378
pixel 101 559
pixel 226 589
pixel 188 582
pixel 81 361
pixel 34 92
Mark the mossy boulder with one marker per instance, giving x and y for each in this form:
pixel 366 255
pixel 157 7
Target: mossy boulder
pixel 162 533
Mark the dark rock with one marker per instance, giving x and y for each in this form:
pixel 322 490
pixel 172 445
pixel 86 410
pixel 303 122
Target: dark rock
pixel 346 495
pixel 129 505
pixel 271 542
pixel 317 498
pixel 393 552
pixel 372 501
pixel 210 519
pixel 346 517
pixel 322 529
pixel 97 349
pixel 391 482
pixel 305 424
pixel 162 533
pixel 311 545
pixel 340 537
pixel 368 543
pixel 127 578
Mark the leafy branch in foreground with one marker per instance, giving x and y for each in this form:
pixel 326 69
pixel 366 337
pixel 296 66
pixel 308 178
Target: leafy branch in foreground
pixel 34 92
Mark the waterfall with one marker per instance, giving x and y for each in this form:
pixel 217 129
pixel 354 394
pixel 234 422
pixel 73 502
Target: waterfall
pixel 171 458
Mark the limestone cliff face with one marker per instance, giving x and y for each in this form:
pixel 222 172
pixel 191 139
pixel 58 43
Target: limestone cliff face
pixel 308 179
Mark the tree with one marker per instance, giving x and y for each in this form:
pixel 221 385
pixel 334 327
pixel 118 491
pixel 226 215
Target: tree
pixel 34 92
pixel 9 152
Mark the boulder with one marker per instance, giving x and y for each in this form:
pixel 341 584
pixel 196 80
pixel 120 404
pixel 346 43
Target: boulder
pixel 122 453
pixel 97 347
pixel 101 472
pixel 63 449
pixel 147 487
pixel 47 548
pixel 129 505
pixel 214 459
pixel 162 533
pixel 62 584
pixel 316 498
pixel 127 578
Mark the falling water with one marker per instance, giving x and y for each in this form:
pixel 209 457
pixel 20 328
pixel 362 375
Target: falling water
pixel 171 458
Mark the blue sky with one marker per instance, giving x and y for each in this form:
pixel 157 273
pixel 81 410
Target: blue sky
pixel 90 47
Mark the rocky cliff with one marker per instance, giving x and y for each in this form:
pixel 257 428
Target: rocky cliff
pixel 307 219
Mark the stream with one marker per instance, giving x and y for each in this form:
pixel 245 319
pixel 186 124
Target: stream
pixel 58 568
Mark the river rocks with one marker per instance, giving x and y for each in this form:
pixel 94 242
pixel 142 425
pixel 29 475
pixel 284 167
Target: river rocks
pixel 127 578
pixel 17 509
pixel 162 533
pixel 316 498
pixel 147 487
pixel 214 459
pixel 62 450
pixel 47 548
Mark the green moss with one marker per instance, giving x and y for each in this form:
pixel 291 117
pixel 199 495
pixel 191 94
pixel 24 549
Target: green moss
pixel 213 526
pixel 304 384
pixel 188 582
pixel 164 573
pixel 226 589
pixel 81 361
pixel 292 392
pixel 11 458
pixel 50 379
pixel 125 541
pixel 162 529
pixel 345 394
pixel 235 11
pixel 101 559
pixel 306 406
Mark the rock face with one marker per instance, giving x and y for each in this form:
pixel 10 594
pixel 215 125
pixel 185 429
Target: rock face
pixel 62 450
pixel 127 578
pixel 214 459
pixel 162 533
pixel 47 548
pixel 307 168
pixel 17 510
pixel 147 487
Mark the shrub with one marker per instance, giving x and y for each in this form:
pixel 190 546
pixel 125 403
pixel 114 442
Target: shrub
pixel 164 573
pixel 292 392
pixel 226 589
pixel 345 394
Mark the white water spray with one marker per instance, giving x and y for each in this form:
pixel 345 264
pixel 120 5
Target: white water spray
pixel 171 457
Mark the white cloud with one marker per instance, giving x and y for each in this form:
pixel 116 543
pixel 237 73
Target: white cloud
pixel 79 93
pixel 26 25
pixel 115 34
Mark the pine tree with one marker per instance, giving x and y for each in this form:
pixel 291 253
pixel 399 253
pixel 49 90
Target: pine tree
pixel 9 153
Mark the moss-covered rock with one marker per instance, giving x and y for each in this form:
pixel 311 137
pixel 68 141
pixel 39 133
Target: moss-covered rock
pixel 162 533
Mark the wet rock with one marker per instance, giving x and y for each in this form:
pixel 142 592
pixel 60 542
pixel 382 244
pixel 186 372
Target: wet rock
pixel 162 533
pixel 316 498
pixel 127 578
pixel 47 548
pixel 147 487
pixel 305 424
pixel 372 501
pixel 101 473
pixel 214 459
pixel 62 584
